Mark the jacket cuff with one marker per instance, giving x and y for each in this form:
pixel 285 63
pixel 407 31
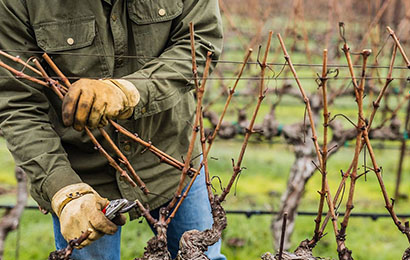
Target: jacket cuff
pixel 142 109
pixel 58 179
pixel 150 104
pixel 156 95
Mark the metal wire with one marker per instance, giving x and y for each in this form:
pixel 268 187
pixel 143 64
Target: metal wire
pixel 220 78
pixel 143 57
pixel 377 146
pixel 373 216
pixel 250 213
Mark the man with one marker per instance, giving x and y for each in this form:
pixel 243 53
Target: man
pixel 143 45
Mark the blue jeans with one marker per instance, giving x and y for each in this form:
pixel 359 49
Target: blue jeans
pixel 194 213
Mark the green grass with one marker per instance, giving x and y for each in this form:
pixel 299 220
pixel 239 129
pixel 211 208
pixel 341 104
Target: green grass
pixel 7 166
pixel 259 187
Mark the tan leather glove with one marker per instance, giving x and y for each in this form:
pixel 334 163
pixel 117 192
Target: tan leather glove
pixel 91 102
pixel 79 207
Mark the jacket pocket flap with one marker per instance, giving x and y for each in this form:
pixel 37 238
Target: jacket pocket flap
pixel 146 11
pixel 65 35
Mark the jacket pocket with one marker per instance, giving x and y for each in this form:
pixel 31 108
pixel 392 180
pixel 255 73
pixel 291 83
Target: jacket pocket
pixel 74 45
pixel 152 23
pixel 65 35
pixel 147 12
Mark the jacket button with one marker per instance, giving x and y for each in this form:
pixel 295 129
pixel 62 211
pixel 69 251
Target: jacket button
pixel 70 41
pixel 127 147
pixel 162 12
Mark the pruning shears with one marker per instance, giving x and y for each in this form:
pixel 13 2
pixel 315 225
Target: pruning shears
pixel 117 207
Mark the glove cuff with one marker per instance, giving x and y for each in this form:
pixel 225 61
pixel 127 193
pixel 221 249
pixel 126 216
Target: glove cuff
pixel 130 91
pixel 68 194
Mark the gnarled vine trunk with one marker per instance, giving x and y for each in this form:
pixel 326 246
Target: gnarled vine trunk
pixel 302 169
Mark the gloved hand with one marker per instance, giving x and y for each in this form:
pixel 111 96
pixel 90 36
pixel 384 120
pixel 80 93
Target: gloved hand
pixel 79 207
pixel 91 102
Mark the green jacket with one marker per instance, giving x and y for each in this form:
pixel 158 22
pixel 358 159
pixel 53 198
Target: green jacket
pixel 95 39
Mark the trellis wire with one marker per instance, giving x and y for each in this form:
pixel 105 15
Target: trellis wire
pixel 250 213
pixel 199 60
pixel 222 78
